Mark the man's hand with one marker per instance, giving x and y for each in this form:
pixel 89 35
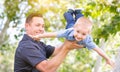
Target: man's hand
pixel 37 37
pixel 72 45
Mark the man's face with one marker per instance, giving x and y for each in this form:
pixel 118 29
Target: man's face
pixel 36 26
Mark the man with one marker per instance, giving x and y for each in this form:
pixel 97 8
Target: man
pixel 32 56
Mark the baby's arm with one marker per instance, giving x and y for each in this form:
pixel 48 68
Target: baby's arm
pixel 58 34
pixel 103 54
pixel 45 35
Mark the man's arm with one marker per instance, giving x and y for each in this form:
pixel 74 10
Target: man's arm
pixel 52 64
pixel 104 55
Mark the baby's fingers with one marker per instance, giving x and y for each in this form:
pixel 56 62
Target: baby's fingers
pixel 79 46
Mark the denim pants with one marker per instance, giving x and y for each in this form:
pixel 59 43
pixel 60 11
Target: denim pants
pixel 71 19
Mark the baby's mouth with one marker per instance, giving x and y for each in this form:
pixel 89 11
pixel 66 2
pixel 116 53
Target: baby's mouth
pixel 78 39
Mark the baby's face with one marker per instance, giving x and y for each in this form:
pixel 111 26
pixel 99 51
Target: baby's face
pixel 80 32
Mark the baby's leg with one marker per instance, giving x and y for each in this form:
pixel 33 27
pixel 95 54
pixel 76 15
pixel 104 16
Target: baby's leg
pixel 69 18
pixel 78 14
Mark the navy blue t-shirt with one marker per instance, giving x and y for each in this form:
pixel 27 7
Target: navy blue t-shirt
pixel 29 53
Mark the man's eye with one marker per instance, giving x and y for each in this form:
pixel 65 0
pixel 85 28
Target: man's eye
pixel 43 26
pixel 37 25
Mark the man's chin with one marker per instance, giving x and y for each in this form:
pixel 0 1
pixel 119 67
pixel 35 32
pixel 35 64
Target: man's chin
pixel 38 40
pixel 38 33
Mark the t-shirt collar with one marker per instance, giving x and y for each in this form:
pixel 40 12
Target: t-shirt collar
pixel 26 37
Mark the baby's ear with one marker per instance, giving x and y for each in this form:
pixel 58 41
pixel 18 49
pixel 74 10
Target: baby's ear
pixel 89 32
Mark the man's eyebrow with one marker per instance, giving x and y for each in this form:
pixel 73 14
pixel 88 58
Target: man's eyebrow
pixel 40 23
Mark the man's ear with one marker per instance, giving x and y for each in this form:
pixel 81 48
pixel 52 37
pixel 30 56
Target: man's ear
pixel 26 26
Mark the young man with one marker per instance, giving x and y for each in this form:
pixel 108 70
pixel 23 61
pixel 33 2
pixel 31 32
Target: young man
pixel 77 29
pixel 32 56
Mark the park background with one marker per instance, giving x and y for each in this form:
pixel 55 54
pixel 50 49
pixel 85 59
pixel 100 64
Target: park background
pixel 105 15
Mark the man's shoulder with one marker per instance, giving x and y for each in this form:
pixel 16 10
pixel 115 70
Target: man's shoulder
pixel 26 44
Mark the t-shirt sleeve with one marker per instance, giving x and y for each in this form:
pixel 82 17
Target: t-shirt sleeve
pixel 61 33
pixel 49 50
pixel 64 33
pixel 89 43
pixel 32 55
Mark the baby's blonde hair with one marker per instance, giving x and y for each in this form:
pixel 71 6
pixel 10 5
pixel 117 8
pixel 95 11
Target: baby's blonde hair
pixel 83 21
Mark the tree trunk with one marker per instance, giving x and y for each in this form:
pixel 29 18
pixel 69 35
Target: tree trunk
pixel 3 35
pixel 117 62
pixel 97 67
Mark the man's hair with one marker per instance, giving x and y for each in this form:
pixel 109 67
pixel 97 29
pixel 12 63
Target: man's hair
pixel 29 18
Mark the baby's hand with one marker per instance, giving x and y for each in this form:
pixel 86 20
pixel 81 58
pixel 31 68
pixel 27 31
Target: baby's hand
pixel 111 63
pixel 37 37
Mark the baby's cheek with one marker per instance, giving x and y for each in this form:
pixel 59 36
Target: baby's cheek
pixel 84 37
pixel 74 34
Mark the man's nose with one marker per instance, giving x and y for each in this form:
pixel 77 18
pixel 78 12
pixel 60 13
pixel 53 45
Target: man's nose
pixel 41 29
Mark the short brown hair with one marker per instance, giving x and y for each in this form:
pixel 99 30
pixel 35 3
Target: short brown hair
pixel 29 18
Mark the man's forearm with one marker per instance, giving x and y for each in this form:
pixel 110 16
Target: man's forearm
pixel 59 58
pixel 54 62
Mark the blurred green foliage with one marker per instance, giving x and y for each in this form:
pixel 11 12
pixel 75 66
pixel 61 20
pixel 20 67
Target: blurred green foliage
pixel 105 15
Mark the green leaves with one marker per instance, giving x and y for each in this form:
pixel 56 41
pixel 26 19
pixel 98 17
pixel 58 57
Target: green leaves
pixel 11 8
pixel 104 15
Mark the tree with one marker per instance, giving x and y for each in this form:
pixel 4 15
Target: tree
pixel 117 62
pixel 104 14
pixel 9 19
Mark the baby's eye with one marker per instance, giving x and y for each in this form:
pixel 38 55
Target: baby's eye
pixel 84 34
